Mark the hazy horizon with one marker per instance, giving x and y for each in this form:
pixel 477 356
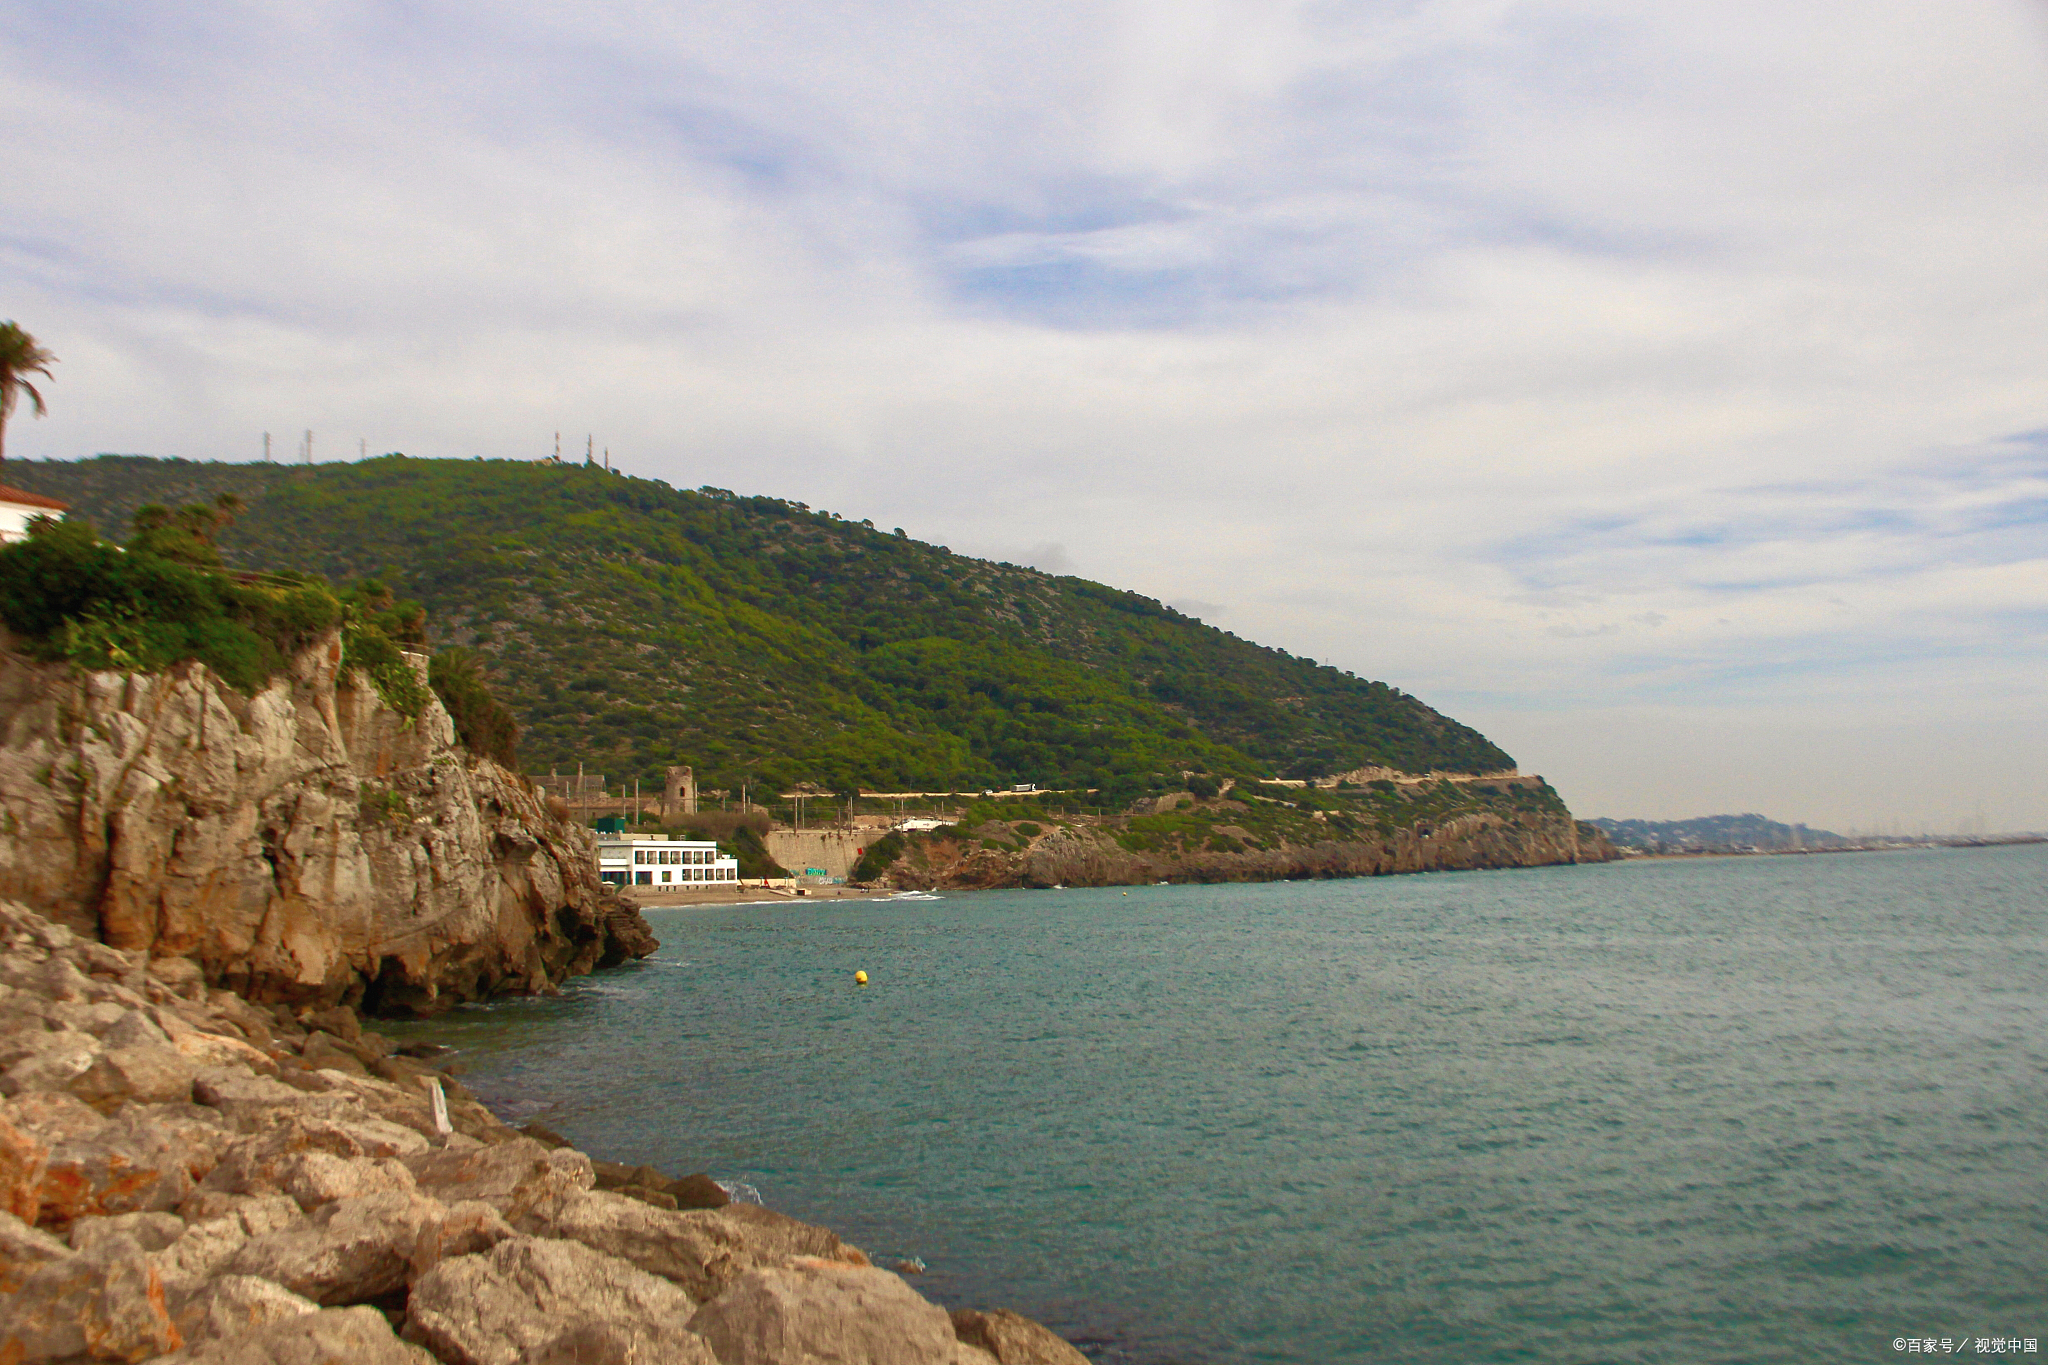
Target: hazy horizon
pixel 1664 394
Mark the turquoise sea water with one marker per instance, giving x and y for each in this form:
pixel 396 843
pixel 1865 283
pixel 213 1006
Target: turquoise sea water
pixel 1766 1109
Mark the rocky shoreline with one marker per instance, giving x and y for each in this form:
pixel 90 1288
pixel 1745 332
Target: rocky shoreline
pixel 1211 848
pixel 188 1176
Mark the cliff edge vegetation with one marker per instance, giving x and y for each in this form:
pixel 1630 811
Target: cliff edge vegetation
pixel 256 774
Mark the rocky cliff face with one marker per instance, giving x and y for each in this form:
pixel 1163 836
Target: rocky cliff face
pixel 307 844
pixel 1085 856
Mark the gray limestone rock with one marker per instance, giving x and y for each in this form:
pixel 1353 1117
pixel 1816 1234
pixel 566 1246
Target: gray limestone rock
pixel 252 1103
pixel 148 1073
pixel 336 1336
pixel 54 1060
pixel 23 1249
pixel 1013 1339
pixel 698 1251
pixel 817 1310
pixel 152 1231
pixel 603 1343
pixel 318 1159
pixel 325 1052
pixel 339 1021
pixel 207 1244
pixel 235 1305
pixel 512 1177
pixel 350 1251
pixel 106 1303
pixel 770 1237
pixel 530 1297
pixel 53 1116
pixel 147 1160
pixel 467 1229
pixel 135 1028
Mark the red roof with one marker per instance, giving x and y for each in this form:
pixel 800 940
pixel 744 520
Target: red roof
pixel 25 498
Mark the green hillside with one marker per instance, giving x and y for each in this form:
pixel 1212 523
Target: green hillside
pixel 630 625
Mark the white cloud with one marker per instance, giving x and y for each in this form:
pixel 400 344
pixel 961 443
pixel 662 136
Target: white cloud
pixel 1599 372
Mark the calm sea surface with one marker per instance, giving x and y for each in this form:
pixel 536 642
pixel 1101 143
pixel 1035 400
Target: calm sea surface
pixel 1765 1109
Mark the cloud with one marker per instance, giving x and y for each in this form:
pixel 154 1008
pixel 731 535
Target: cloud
pixel 1544 357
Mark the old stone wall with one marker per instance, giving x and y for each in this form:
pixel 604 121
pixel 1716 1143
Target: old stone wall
pixel 834 851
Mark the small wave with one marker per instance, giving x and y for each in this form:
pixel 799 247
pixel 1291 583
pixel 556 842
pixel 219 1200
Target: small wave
pixel 739 1191
pixel 914 896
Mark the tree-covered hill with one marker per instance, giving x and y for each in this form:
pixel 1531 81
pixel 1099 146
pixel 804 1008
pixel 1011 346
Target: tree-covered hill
pixel 630 625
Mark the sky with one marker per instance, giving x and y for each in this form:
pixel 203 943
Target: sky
pixel 1662 390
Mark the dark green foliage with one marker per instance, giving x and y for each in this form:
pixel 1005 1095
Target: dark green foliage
pixel 484 724
pixel 72 596
pixel 1203 785
pixel 377 656
pixel 167 598
pixel 632 626
pixel 376 605
pixel 879 857
pixel 186 535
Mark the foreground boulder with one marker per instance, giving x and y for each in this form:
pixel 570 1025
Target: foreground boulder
pixel 337 1336
pixel 1013 1340
pixel 236 1305
pixel 351 1251
pixel 103 1304
pixel 533 1296
pixel 817 1310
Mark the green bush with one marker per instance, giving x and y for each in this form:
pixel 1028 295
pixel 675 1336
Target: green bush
pixel 165 598
pixel 367 649
pixel 72 596
pixel 879 857
pixel 244 660
pixel 482 722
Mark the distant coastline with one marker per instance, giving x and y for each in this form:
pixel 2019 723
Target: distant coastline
pixel 1630 855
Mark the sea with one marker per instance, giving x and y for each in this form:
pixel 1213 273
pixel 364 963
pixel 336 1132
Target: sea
pixel 1767 1109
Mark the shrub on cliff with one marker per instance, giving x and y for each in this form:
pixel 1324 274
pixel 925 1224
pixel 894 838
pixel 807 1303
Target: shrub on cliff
pixel 72 596
pixel 482 722
pixel 165 598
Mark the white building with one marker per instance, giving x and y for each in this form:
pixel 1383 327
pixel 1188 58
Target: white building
pixel 634 860
pixel 18 507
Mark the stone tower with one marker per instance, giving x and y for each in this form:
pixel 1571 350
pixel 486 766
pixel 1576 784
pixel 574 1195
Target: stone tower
pixel 679 793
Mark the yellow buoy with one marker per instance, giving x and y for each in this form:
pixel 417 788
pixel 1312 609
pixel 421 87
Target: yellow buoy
pixel 860 978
